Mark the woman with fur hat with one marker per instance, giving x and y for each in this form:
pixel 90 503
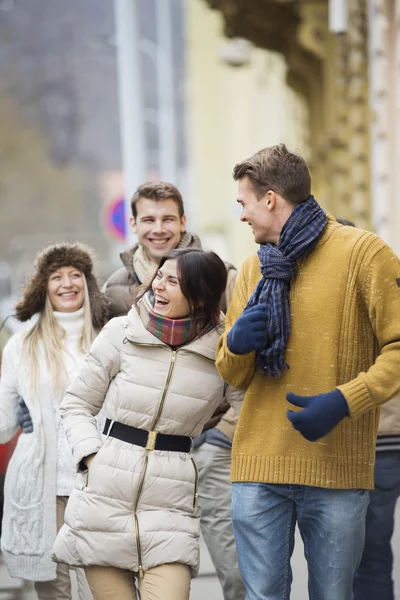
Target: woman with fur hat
pixel 37 365
pixel 132 518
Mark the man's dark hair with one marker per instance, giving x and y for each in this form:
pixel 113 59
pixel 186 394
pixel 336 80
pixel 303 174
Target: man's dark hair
pixel 202 277
pixel 276 169
pixel 157 190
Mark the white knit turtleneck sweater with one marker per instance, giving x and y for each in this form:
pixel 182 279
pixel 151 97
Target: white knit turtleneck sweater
pixel 72 323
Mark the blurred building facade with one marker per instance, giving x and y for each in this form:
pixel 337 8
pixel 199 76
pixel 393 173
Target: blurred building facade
pixel 60 150
pixel 59 131
pixel 384 58
pixel 238 101
pixel 334 96
pixel 245 74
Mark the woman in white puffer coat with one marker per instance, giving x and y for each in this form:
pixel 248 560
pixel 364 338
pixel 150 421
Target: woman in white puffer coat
pixel 132 518
pixel 37 366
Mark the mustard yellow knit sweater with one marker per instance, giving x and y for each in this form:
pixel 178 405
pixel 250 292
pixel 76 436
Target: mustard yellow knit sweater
pixel 344 333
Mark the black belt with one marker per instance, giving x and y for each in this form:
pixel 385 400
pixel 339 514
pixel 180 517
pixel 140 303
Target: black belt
pixel 151 440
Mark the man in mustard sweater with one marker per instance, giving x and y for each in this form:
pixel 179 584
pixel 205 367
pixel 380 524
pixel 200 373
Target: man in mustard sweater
pixel 313 335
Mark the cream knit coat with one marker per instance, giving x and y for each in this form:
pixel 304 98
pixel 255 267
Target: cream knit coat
pixel 41 466
pixel 136 508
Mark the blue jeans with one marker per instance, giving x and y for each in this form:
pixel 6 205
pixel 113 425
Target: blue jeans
pixel 374 577
pixel 331 523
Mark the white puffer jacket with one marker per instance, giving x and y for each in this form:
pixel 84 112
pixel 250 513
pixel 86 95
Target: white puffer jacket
pixel 136 508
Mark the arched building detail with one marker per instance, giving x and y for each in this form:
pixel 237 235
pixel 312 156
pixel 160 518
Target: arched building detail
pixel 331 72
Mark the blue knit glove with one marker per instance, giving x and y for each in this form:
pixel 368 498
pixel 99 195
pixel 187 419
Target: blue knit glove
pixel 250 331
pixel 320 415
pixel 24 417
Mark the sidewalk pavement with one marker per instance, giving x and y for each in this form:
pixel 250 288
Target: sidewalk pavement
pixel 206 586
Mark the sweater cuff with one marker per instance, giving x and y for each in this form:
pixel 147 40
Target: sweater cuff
pixel 357 397
pixel 239 360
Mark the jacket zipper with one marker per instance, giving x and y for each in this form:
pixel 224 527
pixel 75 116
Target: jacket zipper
pixel 196 485
pixel 146 460
pixel 141 484
pixel 143 475
pixel 165 390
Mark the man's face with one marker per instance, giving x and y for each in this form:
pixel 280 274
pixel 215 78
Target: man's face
pixel 158 226
pixel 256 213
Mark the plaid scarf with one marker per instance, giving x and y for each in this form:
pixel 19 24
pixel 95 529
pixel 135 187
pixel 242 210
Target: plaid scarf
pixel 173 332
pixel 298 237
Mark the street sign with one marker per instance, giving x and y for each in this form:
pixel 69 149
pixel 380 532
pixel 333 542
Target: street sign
pixel 114 218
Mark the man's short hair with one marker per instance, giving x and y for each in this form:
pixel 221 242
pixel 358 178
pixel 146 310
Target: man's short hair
pixel 157 190
pixel 275 168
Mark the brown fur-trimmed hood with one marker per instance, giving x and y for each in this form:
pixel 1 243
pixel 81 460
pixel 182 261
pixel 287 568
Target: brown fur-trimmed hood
pixel 49 260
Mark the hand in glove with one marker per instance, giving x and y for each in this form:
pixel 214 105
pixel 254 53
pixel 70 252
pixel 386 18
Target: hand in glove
pixel 24 417
pixel 320 415
pixel 249 331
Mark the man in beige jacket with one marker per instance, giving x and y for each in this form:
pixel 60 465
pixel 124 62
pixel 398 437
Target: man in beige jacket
pixel 159 221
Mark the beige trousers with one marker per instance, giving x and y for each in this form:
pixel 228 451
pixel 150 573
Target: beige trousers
pixel 166 582
pixel 60 587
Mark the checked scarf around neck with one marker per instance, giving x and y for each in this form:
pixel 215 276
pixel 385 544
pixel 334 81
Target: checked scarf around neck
pixel 174 332
pixel 298 237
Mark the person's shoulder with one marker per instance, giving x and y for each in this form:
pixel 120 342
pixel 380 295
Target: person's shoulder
pixel 123 275
pixel 15 343
pixel 119 277
pixel 251 267
pixel 251 260
pixel 230 267
pixel 354 239
pixel 220 327
pixel 111 336
pixel 206 344
pixel 115 326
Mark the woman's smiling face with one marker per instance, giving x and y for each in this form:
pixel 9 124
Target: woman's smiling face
pixel 66 289
pixel 169 300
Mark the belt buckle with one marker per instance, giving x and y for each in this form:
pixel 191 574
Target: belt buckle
pixel 151 440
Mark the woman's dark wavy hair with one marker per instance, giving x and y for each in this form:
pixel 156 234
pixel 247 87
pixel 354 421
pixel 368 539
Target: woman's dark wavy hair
pixel 202 278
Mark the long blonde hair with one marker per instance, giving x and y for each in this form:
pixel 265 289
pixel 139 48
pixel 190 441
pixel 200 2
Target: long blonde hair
pixel 48 333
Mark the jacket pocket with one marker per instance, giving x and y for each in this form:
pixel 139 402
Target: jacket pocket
pixel 80 480
pixel 196 486
pixel 22 532
pixel 87 474
pixel 24 482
